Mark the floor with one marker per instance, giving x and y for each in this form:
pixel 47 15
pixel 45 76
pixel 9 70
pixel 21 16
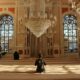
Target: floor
pixel 25 70
pixel 50 69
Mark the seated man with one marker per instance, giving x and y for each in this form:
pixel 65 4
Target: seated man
pixel 16 55
pixel 40 64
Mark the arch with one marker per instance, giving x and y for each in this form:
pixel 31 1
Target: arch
pixel 7 12
pixel 70 33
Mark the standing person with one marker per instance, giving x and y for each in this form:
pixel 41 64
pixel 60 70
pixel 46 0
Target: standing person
pixel 40 64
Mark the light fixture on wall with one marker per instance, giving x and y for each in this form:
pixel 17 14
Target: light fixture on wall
pixel 75 5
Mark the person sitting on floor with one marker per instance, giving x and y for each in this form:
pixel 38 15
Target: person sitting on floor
pixel 16 55
pixel 40 64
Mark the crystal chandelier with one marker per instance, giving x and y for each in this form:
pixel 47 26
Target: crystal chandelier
pixel 38 27
pixel 37 22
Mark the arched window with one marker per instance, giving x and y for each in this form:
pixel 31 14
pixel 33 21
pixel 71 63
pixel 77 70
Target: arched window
pixel 70 33
pixel 6 31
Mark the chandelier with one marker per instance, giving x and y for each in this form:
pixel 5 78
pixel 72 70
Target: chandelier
pixel 37 22
pixel 38 26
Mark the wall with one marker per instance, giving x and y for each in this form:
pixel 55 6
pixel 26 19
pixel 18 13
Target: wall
pixel 50 45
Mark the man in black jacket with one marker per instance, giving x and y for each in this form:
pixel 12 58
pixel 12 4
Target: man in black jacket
pixel 40 64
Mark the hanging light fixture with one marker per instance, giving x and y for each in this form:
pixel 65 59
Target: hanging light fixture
pixel 37 22
pixel 78 8
pixel 38 27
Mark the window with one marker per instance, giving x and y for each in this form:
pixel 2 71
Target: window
pixel 70 32
pixel 6 31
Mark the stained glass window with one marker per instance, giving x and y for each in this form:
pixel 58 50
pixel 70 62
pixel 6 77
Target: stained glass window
pixel 6 31
pixel 70 32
